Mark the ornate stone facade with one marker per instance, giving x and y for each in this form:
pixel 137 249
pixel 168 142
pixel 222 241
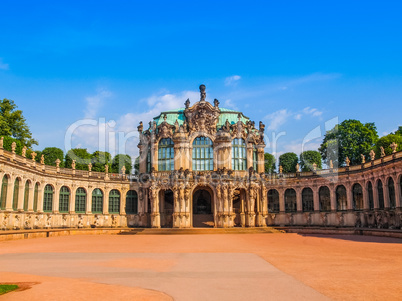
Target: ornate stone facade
pixel 200 166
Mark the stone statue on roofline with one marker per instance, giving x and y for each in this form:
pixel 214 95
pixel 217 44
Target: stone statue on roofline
pixel 382 152
pixel 140 127
pixel 1 142
pixel 363 158
pixel 33 155
pixel 89 166
pixel 73 164
pixel 24 151
pixel 203 94
pixel 42 159
pixel 347 161
pixel 331 164
pixel 123 170
pixel 314 166
pixel 216 103
pixel 13 146
pixel 297 167
pixel 393 146
pixel 372 155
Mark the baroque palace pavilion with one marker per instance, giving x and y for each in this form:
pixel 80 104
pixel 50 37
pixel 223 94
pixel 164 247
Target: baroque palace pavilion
pixel 201 165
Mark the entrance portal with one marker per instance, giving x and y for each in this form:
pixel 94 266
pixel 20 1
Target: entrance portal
pixel 202 209
pixel 166 208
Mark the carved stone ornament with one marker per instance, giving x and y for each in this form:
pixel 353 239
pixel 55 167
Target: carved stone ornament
pixel 57 162
pixel 382 152
pixel 24 151
pixel 1 142
pixel 33 155
pixel 42 159
pixel 347 161
pixel 13 146
pixel 73 164
pixel 363 158
pixel 372 155
pixel 393 146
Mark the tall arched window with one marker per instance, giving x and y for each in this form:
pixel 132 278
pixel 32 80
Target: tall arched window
pixel 80 200
pixel 166 154
pixel 380 192
pixel 307 200
pixel 255 158
pixel 4 186
pixel 64 199
pixel 203 154
pixel 325 199
pixel 114 201
pixel 391 193
pixel 16 194
pixel 357 197
pixel 290 200
pixel 239 157
pixel 149 163
pixel 26 195
pixel 341 199
pixel 48 198
pixel 132 202
pixel 36 196
pixel 273 201
pixel 370 195
pixel 97 201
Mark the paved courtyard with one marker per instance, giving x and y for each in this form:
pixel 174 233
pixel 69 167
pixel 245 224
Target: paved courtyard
pixel 203 267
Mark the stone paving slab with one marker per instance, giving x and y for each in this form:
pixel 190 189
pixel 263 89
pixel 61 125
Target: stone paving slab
pixel 184 276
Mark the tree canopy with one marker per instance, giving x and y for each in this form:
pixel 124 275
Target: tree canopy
pixel 385 142
pixel 121 160
pixel 269 163
pixel 80 155
pixel 13 123
pixel 52 154
pixel 100 159
pixel 308 158
pixel 350 139
pixel 288 162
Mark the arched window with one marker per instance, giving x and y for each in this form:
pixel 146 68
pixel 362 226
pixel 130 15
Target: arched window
pixel 132 202
pixel 255 158
pixel 273 201
pixel 341 199
pixel 36 196
pixel 290 200
pixel 16 194
pixel 4 186
pixel 370 195
pixel 307 200
pixel 391 193
pixel 325 199
pixel 239 157
pixel 80 200
pixel 48 198
pixel 149 163
pixel 166 154
pixel 114 201
pixel 26 195
pixel 203 154
pixel 97 201
pixel 357 197
pixel 64 199
pixel 380 192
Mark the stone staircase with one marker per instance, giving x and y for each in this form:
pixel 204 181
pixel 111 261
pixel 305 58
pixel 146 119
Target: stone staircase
pixel 192 231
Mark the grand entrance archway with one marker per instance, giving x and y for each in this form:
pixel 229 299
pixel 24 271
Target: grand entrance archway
pixel 203 209
pixel 166 208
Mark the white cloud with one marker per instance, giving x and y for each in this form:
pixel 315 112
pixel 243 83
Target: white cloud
pixel 277 119
pixel 121 136
pixel 232 80
pixel 94 103
pixel 312 111
pixel 3 66
pixel 229 104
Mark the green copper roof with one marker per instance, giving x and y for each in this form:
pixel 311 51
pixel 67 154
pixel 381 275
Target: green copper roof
pixel 173 115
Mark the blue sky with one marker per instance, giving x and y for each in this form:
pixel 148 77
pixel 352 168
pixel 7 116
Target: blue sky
pixel 295 65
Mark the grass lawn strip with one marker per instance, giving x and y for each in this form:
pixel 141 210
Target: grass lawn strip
pixel 5 288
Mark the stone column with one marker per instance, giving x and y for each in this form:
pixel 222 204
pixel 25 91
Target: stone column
pixel 260 156
pixel 21 196
pixel 31 196
pixel 155 215
pixel 332 192
pixel 281 200
pixel 375 194
pixel 154 154
pixel 299 199
pixel 72 199
pixel 56 198
pixel 349 196
pixel 398 201
pixel 10 194
pixel 366 205
pixel 40 197
pixel 386 194
pixel 316 199
pixel 89 189
pixel 106 200
pixel 123 198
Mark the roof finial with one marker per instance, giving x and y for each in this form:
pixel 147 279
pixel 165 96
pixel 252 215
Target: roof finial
pixel 202 92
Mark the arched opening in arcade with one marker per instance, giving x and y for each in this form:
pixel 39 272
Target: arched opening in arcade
pixel 203 209
pixel 166 203
pixel 239 203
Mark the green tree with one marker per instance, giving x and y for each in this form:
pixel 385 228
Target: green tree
pixel 137 165
pixel 13 123
pixel 119 161
pixel 7 141
pixel 52 154
pixel 308 158
pixel 351 138
pixel 288 162
pixel 269 163
pixel 385 142
pixel 100 159
pixel 80 155
pixel 399 131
